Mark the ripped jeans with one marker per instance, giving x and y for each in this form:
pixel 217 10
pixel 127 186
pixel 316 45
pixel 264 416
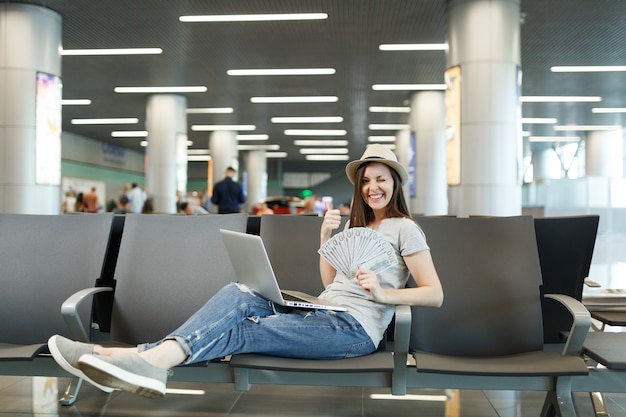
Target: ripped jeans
pixel 238 320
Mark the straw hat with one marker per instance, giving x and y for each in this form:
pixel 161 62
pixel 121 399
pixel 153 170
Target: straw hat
pixel 377 153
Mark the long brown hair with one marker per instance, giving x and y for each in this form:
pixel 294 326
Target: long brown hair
pixel 361 214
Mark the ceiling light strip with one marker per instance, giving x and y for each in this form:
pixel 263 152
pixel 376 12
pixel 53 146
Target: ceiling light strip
pixel 553 139
pixel 252 137
pixel 382 109
pixel 327 157
pixel 414 47
pixel 381 138
pixel 321 119
pixel 560 99
pixel 210 110
pixel 295 99
pixel 130 134
pixel 539 120
pixel 408 87
pixel 590 128
pixel 589 68
pixel 315 132
pixel 76 102
pixel 397 126
pixel 180 89
pixel 253 17
pixel 211 128
pixel 609 110
pixel 117 51
pixel 106 121
pixel 323 151
pixel 320 142
pixel 285 71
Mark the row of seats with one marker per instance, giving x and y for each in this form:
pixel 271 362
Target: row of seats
pixel 156 270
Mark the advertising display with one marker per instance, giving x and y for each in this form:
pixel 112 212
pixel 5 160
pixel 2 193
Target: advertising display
pixel 48 129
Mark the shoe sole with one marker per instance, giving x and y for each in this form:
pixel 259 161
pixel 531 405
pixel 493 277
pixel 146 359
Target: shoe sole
pixel 118 378
pixel 60 360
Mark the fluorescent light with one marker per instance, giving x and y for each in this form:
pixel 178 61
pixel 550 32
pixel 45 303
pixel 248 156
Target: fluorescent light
pixel 118 51
pixel 258 147
pixel 211 128
pixel 198 157
pixel 409 87
pixel 409 397
pixel 210 110
pixel 130 134
pixel 198 152
pixel 185 391
pixel 381 109
pixel 609 110
pixel 76 102
pixel 588 68
pixel 106 121
pixel 574 128
pixel 295 99
pixel 327 157
pixel 315 132
pixel 322 142
pixel 390 126
pixel 553 139
pixel 275 154
pixel 381 138
pixel 253 17
pixel 324 151
pixel 284 71
pixel 181 89
pixel 559 99
pixel 252 137
pixel 327 119
pixel 414 47
pixel 539 120
pixel 144 143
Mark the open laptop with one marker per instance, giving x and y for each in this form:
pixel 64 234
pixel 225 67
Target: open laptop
pixel 253 268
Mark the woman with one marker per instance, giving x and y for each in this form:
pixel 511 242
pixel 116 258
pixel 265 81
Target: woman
pixel 236 320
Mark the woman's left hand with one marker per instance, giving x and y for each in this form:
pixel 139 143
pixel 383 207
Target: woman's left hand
pixel 368 280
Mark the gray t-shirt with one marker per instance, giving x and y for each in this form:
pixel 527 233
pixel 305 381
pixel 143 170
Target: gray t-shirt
pixel 406 238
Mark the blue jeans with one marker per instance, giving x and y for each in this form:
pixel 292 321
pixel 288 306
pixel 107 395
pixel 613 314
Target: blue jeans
pixel 238 320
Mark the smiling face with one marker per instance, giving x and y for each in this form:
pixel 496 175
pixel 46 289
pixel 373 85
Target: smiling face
pixel 377 187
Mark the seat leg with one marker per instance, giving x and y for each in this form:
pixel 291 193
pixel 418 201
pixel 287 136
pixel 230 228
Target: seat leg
pixel 599 405
pixel 71 392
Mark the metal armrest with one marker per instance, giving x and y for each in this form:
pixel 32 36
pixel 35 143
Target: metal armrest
pixel 580 326
pixel 69 311
pixel 402 333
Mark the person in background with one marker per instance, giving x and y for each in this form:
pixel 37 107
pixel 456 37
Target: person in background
pixel 228 195
pixel 90 200
pixel 122 205
pixel 148 207
pixel 68 206
pixel 239 320
pixel 136 198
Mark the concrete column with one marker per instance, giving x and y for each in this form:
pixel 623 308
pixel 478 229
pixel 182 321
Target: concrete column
pixel 256 177
pixel 428 122
pixel 604 154
pixel 30 109
pixel 166 121
pixel 484 40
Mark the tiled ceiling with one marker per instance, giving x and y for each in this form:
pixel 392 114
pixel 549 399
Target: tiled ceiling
pixel 554 32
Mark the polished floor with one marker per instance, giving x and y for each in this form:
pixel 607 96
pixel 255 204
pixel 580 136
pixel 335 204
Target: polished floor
pixel 21 396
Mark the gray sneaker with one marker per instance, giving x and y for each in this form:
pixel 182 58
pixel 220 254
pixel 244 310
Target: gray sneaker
pixel 66 353
pixel 128 372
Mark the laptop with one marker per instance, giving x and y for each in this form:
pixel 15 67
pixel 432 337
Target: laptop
pixel 253 268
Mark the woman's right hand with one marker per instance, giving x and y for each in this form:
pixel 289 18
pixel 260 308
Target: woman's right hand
pixel 332 221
